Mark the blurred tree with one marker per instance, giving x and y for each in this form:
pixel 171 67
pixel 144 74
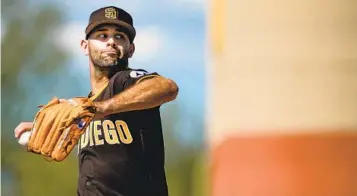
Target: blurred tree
pixel 26 48
pixel 185 164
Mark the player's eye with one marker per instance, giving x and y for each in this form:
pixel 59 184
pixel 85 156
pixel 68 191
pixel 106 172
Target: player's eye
pixel 102 36
pixel 119 36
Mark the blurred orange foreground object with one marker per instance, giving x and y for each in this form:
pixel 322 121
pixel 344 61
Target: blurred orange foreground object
pixel 295 165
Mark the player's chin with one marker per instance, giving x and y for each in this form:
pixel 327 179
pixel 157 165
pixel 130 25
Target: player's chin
pixel 109 62
pixel 113 63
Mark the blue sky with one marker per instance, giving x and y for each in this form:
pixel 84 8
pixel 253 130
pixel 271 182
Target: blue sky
pixel 170 40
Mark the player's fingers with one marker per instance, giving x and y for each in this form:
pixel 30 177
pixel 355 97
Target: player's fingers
pixel 22 127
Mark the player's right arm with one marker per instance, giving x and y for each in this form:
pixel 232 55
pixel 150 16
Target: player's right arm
pixel 21 128
pixel 143 94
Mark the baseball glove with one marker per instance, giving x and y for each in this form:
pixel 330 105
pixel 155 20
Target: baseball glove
pixel 58 126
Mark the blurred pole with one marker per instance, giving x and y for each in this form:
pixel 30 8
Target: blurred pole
pixel 282 107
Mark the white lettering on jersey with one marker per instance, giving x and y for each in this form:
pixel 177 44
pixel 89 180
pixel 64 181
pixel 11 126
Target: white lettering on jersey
pixel 138 74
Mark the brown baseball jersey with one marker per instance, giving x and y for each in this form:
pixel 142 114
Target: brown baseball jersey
pixel 123 154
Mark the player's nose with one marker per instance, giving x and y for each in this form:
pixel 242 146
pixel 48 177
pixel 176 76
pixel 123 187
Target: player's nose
pixel 111 41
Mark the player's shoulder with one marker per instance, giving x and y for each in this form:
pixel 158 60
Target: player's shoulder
pixel 125 78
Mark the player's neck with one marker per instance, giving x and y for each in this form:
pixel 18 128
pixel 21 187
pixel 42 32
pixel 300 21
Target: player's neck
pixel 98 78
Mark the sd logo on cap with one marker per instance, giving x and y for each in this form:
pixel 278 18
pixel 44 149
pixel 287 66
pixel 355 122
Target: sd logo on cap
pixel 112 15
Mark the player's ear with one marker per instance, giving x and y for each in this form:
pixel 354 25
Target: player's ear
pixel 131 50
pixel 84 46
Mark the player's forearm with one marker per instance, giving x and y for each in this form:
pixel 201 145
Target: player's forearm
pixel 146 94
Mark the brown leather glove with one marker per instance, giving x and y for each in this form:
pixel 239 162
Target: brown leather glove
pixel 58 126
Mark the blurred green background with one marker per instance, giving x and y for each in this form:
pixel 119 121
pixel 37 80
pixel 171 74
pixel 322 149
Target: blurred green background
pixel 35 68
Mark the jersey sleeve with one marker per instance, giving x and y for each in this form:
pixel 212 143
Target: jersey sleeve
pixel 125 79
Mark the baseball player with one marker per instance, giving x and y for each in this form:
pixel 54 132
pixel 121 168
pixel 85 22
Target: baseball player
pixel 121 153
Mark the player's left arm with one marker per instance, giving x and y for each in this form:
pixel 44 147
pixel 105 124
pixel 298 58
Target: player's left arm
pixel 147 93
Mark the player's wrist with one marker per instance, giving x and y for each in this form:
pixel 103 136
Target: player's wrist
pixel 101 109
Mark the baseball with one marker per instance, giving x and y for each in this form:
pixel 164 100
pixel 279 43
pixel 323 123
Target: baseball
pixel 24 138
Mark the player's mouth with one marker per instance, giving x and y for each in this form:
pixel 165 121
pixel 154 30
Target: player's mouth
pixel 113 53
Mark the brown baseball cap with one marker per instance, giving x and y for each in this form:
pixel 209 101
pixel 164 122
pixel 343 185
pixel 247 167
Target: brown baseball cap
pixel 111 15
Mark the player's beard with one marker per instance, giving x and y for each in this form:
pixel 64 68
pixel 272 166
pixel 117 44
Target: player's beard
pixel 112 62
